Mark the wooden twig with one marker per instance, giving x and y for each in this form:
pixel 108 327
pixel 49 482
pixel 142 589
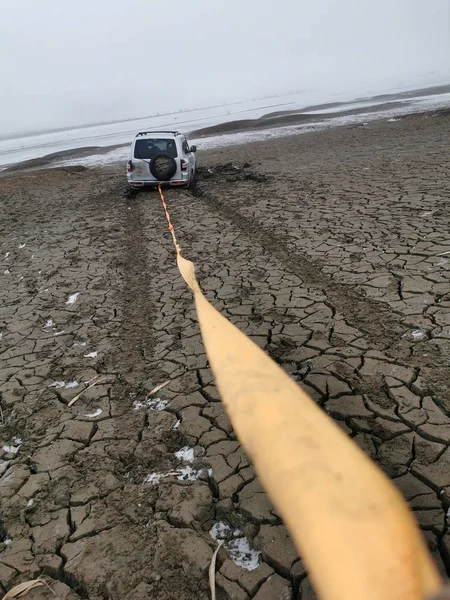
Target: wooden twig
pixel 212 572
pixel 85 390
pixel 156 389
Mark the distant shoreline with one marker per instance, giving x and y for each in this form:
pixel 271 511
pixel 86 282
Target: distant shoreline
pixel 49 159
pixel 270 121
pixel 306 115
pixel 435 89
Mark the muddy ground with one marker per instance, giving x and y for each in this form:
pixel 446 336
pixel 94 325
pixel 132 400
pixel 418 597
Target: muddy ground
pixel 331 250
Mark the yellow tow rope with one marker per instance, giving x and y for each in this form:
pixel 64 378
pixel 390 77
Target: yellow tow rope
pixel 353 529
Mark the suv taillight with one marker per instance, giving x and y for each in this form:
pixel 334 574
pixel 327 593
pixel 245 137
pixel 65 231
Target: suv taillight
pixel 183 165
pixel 130 166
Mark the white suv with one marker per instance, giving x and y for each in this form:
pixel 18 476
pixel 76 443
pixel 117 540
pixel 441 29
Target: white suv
pixel 161 157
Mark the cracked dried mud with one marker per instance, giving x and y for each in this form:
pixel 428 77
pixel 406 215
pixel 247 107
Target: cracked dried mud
pixel 330 250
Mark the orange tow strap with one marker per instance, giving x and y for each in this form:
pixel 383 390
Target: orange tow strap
pixel 351 526
pixel 171 229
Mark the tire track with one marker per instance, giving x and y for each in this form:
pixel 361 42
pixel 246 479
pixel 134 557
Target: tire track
pixel 373 318
pixel 136 338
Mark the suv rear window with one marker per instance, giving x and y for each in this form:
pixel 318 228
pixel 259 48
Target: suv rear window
pixel 149 148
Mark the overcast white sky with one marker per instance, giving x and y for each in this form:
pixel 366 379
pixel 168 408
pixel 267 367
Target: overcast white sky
pixel 81 61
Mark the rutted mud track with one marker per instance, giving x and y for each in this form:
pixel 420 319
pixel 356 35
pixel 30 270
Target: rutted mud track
pixel 333 261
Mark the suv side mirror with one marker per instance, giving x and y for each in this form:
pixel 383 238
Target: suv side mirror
pixel 193 148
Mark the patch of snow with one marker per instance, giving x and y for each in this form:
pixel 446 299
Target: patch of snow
pixel 186 454
pixel 17 441
pixel 58 384
pixel 7 254
pixel 150 403
pixel 426 213
pixel 237 545
pixel 79 344
pixel 10 449
pixel 393 120
pixel 442 262
pixel 186 473
pixel 177 424
pixel 189 474
pixel 97 413
pixel 90 355
pixel 30 502
pixel 21 246
pixel 73 298
pixel 418 334
pixel 1 335
pixel 59 333
pixel 64 384
pixel 242 554
pixel 153 478
pixel 49 323
pixel 96 160
pixel 220 531
pixel 6 271
pixel 157 403
pixel 7 542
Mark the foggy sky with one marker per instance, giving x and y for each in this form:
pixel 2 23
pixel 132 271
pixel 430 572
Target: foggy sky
pixel 68 63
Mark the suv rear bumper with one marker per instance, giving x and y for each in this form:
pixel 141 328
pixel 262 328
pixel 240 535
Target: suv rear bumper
pixel 172 182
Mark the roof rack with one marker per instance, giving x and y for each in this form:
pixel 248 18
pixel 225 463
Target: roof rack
pixel 148 132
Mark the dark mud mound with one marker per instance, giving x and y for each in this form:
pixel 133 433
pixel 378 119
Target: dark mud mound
pixel 230 172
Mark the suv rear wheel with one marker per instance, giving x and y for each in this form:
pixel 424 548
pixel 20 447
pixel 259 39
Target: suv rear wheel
pixel 190 181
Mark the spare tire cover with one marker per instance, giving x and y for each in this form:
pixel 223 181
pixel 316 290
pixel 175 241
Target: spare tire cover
pixel 163 166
